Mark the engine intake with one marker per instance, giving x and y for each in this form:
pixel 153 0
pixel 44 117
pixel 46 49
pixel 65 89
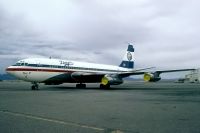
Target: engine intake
pixel 111 80
pixel 152 77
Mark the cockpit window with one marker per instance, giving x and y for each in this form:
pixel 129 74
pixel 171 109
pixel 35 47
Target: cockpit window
pixel 17 64
pixel 21 64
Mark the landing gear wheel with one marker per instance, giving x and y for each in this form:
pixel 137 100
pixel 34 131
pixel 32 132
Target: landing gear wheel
pixel 32 87
pixel 35 86
pixel 102 86
pixel 81 86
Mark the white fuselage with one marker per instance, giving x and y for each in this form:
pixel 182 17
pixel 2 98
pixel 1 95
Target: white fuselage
pixel 41 69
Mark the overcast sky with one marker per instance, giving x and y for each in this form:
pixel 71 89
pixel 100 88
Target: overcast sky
pixel 165 34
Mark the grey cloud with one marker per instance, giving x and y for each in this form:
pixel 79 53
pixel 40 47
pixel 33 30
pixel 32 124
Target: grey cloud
pixel 165 33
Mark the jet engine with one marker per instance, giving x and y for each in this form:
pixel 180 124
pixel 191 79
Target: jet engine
pixel 152 77
pixel 111 80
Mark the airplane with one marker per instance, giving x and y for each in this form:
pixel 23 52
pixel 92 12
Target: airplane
pixel 57 71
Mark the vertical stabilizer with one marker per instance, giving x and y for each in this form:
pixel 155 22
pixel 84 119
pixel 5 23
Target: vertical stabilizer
pixel 128 60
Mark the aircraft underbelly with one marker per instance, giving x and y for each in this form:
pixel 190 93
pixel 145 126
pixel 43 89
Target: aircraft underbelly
pixel 54 77
pixel 67 78
pixel 37 76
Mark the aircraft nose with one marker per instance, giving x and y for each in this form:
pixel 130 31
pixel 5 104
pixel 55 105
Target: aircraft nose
pixel 8 70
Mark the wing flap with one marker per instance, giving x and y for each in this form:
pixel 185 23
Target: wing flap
pixel 174 70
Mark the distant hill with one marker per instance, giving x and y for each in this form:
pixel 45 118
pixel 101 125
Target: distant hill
pixel 6 77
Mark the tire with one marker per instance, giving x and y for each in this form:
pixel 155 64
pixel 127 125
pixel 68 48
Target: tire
pixel 101 86
pixel 33 87
pixel 105 86
pixel 81 86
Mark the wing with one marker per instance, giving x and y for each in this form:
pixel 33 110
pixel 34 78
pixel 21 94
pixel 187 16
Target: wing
pixel 174 70
pixel 157 73
pixel 91 77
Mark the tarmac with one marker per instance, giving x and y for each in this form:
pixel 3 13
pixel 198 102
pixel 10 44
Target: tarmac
pixel 133 107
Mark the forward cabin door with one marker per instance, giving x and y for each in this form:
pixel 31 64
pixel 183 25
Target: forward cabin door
pixel 38 65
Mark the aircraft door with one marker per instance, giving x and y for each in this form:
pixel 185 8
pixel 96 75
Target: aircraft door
pixel 38 65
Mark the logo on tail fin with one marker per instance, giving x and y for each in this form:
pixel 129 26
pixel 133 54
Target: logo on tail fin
pixel 129 56
pixel 128 60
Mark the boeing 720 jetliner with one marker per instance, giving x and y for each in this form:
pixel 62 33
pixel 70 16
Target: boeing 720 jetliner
pixel 56 71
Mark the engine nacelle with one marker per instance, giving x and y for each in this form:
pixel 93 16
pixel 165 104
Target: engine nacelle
pixel 152 77
pixel 111 80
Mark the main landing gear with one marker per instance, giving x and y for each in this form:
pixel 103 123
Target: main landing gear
pixel 107 86
pixel 81 86
pixel 35 86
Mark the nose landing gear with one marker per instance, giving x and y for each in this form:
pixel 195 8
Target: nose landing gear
pixel 35 86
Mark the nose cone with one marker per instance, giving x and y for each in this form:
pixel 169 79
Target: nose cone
pixel 9 70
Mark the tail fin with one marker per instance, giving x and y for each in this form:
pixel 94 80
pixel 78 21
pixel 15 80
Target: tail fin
pixel 128 60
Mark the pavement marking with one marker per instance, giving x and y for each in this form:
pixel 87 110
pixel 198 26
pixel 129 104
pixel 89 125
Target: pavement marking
pixel 50 120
